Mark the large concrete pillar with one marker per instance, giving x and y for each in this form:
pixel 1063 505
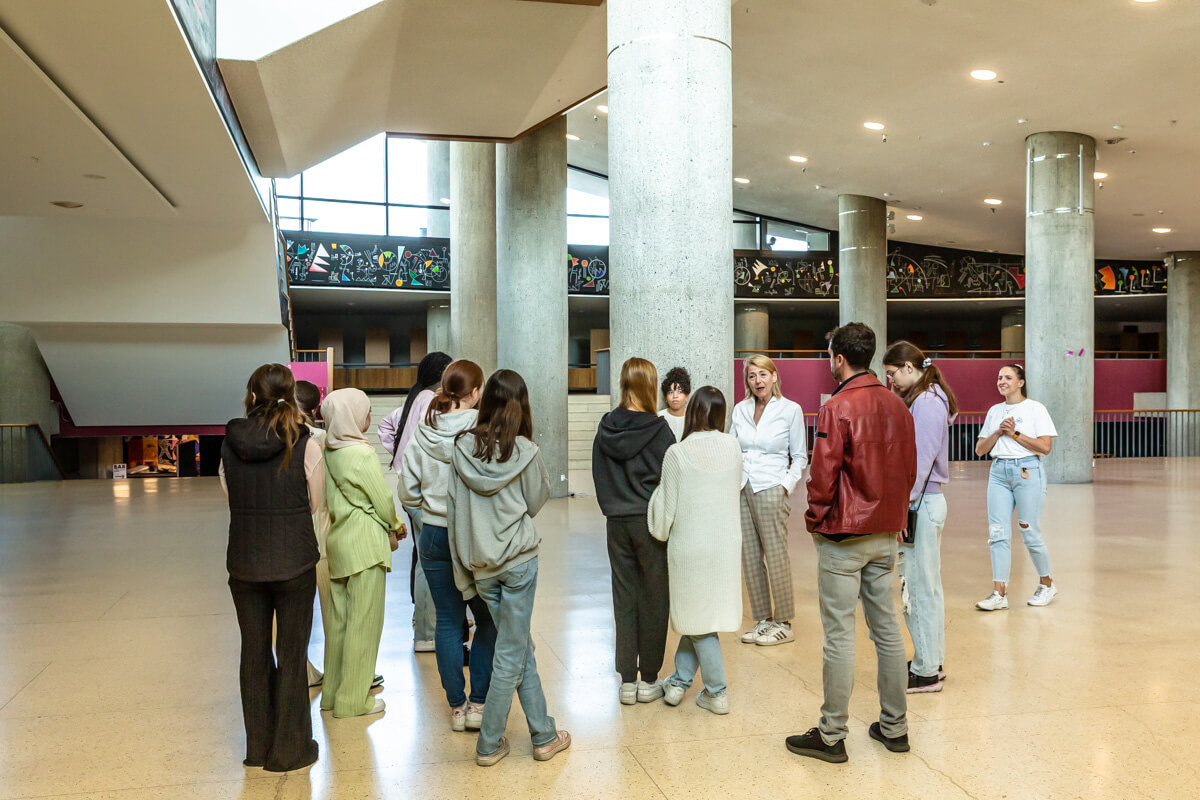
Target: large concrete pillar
pixel 862 267
pixel 437 171
pixel 1059 294
pixel 751 329
pixel 531 270
pixel 24 381
pixel 670 145
pixel 473 253
pixel 1012 335
pixel 437 327
pixel 1183 351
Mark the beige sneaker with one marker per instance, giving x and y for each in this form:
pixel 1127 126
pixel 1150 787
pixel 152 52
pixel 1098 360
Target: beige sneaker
pixel 458 718
pixel 494 758
pixel 474 716
pixel 561 741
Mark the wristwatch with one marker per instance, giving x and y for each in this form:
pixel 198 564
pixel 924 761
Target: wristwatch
pixel 1016 435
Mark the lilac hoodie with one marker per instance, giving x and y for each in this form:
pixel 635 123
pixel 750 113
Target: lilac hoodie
pixel 931 416
pixel 395 441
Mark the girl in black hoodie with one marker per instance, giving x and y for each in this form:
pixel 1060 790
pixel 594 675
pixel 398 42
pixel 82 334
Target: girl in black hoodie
pixel 627 461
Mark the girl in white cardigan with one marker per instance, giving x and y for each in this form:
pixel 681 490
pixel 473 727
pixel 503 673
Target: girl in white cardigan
pixel 695 511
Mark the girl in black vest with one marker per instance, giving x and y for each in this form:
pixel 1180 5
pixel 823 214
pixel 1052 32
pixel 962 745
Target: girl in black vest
pixel 274 475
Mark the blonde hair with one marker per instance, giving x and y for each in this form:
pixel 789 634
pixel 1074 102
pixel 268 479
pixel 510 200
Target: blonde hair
pixel 762 362
pixel 639 384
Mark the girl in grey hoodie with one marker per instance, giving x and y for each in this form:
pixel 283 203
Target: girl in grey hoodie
pixel 425 484
pixel 499 484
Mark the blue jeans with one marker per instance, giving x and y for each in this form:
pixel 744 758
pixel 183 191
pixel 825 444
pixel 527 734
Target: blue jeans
pixel 434 550
pixel 921 587
pixel 510 597
pixel 1018 482
pixel 700 653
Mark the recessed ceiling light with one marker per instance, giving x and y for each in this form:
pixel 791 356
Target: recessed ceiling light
pixel 991 201
pixel 1099 175
pixel 983 74
pixel 66 204
pixel 741 180
pixel 93 176
pixel 1021 121
pixel 873 126
pixel 1161 230
pixel 602 109
pixel 445 201
pixel 798 159
pixel 915 217
pixel 572 137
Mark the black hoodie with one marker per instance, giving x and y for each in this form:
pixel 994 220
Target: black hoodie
pixel 627 459
pixel 271 535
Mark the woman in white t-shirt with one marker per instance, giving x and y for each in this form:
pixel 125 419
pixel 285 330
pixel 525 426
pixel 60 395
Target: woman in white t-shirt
pixel 1016 433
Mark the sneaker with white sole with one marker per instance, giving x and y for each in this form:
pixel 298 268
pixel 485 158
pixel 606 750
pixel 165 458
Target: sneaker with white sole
pixel 649 692
pixel 424 646
pixel 673 694
pixel 560 742
pixel 778 633
pixel 458 718
pixel 717 705
pixel 760 627
pixel 1043 595
pixel 993 602
pixel 474 716
pixel 492 759
pixel 629 693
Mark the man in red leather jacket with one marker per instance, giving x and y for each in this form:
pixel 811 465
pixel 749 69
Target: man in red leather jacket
pixel 863 466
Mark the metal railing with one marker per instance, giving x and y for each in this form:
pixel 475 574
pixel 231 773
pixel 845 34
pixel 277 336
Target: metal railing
pixel 25 455
pixel 774 352
pixel 311 356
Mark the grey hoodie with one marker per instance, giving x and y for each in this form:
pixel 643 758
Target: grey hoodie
pixel 491 509
pixel 425 472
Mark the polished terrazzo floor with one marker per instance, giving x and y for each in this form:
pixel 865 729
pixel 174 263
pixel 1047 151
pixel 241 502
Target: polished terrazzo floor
pixel 118 653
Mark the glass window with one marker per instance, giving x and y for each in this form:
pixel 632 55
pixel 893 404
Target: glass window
pixel 344 218
pixel 411 177
pixel 289 214
pixel 745 234
pixel 355 174
pixel 288 186
pixel 587 230
pixel 432 222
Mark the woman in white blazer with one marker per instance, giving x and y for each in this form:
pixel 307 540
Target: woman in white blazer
pixel 695 511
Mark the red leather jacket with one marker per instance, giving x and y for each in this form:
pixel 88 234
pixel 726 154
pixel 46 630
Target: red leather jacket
pixel 864 461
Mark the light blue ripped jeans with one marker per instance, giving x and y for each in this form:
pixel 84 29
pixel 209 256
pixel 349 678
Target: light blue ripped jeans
pixel 1019 483
pixel 921 587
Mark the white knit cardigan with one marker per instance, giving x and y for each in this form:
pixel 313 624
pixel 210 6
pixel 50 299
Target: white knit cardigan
pixel 695 511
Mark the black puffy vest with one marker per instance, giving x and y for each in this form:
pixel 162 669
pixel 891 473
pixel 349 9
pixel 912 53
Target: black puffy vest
pixel 271 535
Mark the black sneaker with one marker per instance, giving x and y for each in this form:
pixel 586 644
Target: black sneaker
pixel 919 683
pixel 812 745
pixel 941 671
pixel 897 744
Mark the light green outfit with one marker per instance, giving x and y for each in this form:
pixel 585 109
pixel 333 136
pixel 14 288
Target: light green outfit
pixel 361 513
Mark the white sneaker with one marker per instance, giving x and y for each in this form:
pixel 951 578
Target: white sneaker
pixel 649 692
pixel 1043 595
pixel 423 646
pixel 760 627
pixel 474 716
pixel 993 602
pixel 778 633
pixel 673 694
pixel 629 693
pixel 717 705
pixel 458 718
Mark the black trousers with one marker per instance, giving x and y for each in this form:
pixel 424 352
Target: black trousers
pixel 275 703
pixel 641 599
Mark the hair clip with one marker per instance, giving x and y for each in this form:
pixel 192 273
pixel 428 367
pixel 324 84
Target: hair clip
pixel 926 363
pixel 279 400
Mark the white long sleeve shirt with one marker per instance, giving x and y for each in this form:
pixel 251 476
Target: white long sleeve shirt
pixel 775 451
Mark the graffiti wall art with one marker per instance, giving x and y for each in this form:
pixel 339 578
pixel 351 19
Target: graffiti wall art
pixel 587 269
pixel 315 259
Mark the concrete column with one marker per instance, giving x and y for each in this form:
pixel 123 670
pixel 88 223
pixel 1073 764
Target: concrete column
pixel 531 268
pixel 751 329
pixel 1059 294
pixel 1183 351
pixel 862 267
pixel 437 327
pixel 437 155
pixel 473 253
pixel 670 147
pixel 24 381
pixel 1012 334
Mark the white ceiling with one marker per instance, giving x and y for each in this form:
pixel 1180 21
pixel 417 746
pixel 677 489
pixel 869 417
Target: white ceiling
pixel 806 75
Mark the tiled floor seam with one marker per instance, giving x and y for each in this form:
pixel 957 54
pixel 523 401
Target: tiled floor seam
pixel 26 686
pixel 650 777
pixel 932 768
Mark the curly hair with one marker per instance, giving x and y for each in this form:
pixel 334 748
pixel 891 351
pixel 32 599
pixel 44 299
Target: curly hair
pixel 677 376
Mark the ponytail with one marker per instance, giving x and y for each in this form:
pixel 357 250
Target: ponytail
pixel 271 400
pixel 901 353
pixel 458 381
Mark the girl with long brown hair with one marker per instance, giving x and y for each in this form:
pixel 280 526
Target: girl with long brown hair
pixel 498 486
pixel 627 458
pixel 919 383
pixel 424 487
pixel 273 474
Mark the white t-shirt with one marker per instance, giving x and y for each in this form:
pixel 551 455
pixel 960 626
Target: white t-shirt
pixel 674 423
pixel 1032 418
